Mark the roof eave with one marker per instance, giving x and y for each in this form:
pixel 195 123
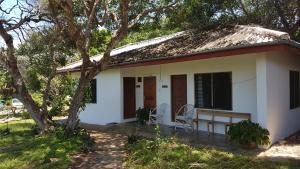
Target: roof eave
pixel 220 52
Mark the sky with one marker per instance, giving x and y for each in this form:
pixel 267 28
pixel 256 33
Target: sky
pixel 6 5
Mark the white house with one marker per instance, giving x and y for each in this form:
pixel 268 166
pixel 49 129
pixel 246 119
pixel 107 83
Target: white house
pixel 241 69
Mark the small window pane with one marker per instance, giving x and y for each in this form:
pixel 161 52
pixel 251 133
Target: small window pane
pixel 294 89
pixel 222 91
pixel 203 91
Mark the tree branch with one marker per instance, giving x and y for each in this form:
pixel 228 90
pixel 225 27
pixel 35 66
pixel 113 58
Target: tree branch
pixel 91 19
pixel 147 12
pixel 281 14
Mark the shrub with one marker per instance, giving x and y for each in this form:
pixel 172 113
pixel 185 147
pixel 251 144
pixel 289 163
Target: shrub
pixel 87 141
pixel 55 111
pixel 142 115
pixel 35 130
pixel 25 115
pixel 5 131
pixel 248 133
pixel 134 138
pixel 8 102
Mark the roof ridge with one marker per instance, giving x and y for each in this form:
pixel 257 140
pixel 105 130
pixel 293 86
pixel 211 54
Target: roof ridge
pixel 151 39
pixel 167 37
pixel 145 43
pixel 260 29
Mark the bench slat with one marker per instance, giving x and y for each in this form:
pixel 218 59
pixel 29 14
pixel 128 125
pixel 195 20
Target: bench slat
pixel 219 113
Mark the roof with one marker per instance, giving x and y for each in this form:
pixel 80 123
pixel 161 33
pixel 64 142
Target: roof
pixel 192 42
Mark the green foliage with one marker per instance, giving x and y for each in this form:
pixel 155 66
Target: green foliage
pixel 146 33
pixel 99 41
pixel 56 110
pixel 5 80
pixel 87 141
pixel 22 148
pixel 4 132
pixel 145 154
pixel 38 98
pixel 59 100
pixel 142 115
pixel 247 132
pixel 209 14
pixel 199 14
pixel 39 57
pixel 33 81
pixel 25 115
pixel 8 101
pixel 134 138
pixel 35 130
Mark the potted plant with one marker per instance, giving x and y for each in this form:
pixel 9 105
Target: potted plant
pixel 142 115
pixel 249 134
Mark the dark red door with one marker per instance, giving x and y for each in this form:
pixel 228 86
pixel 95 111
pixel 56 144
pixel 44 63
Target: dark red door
pixel 129 97
pixel 149 92
pixel 178 93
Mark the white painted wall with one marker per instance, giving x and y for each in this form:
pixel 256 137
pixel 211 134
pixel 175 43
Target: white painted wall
pixel 274 94
pixel 243 70
pixel 260 87
pixel 108 108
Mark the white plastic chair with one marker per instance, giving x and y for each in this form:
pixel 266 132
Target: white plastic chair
pixel 185 116
pixel 156 115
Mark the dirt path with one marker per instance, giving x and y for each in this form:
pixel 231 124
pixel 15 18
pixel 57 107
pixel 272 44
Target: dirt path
pixel 109 152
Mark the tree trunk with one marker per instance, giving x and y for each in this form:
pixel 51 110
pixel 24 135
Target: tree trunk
pixel 76 103
pixel 18 84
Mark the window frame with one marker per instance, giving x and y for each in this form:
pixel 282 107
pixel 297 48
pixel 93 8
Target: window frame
pixel 212 91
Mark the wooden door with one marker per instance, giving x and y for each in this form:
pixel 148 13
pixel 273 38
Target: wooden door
pixel 129 97
pixel 150 92
pixel 178 93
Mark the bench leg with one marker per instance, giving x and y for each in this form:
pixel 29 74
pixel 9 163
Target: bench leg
pixel 208 128
pixel 193 127
pixel 226 128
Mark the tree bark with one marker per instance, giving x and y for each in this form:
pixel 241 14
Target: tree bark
pixel 76 102
pixel 18 84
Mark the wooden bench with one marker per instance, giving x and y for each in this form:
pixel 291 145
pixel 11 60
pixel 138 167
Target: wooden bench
pixel 214 114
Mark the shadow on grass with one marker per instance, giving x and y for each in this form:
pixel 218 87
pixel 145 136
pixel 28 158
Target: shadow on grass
pixel 22 148
pixel 175 155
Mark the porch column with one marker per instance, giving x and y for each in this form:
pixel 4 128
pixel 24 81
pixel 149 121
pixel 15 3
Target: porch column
pixel 190 88
pixel 261 88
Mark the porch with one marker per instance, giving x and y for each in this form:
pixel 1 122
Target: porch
pixel 227 84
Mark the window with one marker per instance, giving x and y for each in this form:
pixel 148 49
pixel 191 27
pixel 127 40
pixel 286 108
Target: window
pixel 213 90
pixel 93 89
pixel 294 90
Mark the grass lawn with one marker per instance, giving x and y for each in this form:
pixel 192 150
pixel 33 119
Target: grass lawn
pixel 23 149
pixel 147 154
